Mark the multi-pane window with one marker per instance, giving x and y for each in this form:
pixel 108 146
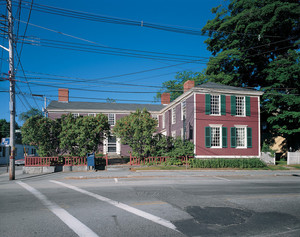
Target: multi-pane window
pixel 111 119
pixel 155 116
pixel 75 115
pixel 215 104
pixel 240 105
pixel 183 110
pixel 215 136
pixel 174 115
pixel 92 114
pixel 173 134
pixel 241 137
pixel 163 120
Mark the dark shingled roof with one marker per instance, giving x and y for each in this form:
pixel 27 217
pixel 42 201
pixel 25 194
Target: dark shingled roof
pixel 55 105
pixel 217 86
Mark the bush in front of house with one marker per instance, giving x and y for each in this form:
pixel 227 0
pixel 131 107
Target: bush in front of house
pixel 227 163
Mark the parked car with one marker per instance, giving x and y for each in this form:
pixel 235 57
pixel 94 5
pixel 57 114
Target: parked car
pixel 20 162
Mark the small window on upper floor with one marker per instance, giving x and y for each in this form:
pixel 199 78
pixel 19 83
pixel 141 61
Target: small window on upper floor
pixel 111 119
pixel 75 115
pixel 215 104
pixel 240 105
pixel 155 116
pixel 92 114
pixel 183 110
pixel 173 115
pixel 163 120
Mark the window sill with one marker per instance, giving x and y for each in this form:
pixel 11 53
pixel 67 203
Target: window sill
pixel 216 147
pixel 241 147
pixel 215 115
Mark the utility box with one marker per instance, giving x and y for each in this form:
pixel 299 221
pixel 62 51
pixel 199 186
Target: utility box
pixel 91 160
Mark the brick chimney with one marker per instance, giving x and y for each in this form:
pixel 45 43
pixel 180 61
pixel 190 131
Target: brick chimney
pixel 165 98
pixel 188 85
pixel 63 95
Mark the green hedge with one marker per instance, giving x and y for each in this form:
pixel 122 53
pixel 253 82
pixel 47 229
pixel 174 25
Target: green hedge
pixel 227 163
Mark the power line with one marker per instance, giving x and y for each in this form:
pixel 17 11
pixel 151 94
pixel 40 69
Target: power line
pixel 114 20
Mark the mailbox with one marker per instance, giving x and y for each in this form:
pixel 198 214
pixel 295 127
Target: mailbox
pixel 91 160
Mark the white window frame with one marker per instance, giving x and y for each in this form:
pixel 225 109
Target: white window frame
pixel 218 111
pixel 155 116
pixel 164 120
pixel 219 126
pixel 245 136
pixel 173 134
pixel 239 110
pixel 183 109
pixel 173 115
pixel 75 115
pixel 92 114
pixel 110 120
pixel 181 133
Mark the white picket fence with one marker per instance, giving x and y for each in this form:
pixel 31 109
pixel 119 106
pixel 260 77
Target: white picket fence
pixel 293 158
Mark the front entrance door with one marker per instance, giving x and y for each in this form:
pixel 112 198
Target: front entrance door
pixel 112 144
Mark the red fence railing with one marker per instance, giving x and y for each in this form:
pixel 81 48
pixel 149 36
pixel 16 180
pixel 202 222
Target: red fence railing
pixel 40 161
pixel 154 160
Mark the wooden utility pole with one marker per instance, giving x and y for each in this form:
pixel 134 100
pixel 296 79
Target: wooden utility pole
pixel 12 102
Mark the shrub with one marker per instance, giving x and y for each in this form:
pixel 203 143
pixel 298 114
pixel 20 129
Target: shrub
pixel 227 163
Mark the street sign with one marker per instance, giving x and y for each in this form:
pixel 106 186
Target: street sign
pixel 5 141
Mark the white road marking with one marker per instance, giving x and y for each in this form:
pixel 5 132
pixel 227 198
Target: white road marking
pixel 222 178
pixel 123 206
pixel 116 180
pixel 74 224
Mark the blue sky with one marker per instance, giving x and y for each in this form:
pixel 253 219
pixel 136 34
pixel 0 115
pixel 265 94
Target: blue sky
pixel 79 70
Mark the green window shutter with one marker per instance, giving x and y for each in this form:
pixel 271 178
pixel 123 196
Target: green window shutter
pixel 249 137
pixel 248 112
pixel 207 137
pixel 207 103
pixel 233 137
pixel 224 137
pixel 223 105
pixel 233 105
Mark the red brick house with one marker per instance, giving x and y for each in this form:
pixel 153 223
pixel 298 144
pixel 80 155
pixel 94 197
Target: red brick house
pixel 221 121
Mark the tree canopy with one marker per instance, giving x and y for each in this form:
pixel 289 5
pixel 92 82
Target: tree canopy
pixel 136 130
pixel 82 135
pixel 42 133
pixel 175 86
pixel 28 114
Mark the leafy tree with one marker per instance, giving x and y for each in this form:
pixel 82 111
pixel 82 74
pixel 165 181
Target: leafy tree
pixel 28 114
pixel 42 133
pixel 246 36
pixel 5 130
pixel 83 135
pixel 136 130
pixel 175 86
pixel 254 44
pixel 282 103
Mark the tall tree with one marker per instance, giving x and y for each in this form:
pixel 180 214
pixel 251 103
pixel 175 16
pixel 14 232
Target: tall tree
pixel 136 130
pixel 281 100
pixel 5 130
pixel 246 36
pixel 175 86
pixel 254 44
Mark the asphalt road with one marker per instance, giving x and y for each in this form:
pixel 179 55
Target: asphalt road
pixel 150 204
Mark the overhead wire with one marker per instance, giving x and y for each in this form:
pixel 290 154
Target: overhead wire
pixel 114 20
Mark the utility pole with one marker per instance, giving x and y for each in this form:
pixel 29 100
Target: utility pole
pixel 12 102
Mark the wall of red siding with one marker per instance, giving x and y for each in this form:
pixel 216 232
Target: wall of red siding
pixel 203 120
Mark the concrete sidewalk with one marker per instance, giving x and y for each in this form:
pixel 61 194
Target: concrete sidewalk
pixel 122 173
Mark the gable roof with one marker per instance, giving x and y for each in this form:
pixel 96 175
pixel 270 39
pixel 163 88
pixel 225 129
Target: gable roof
pixel 217 86
pixel 98 106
